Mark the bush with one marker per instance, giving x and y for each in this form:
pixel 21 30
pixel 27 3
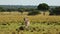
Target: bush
pixel 55 11
pixel 21 28
pixel 35 12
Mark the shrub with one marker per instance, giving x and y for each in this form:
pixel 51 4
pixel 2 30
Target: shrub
pixel 35 12
pixel 21 28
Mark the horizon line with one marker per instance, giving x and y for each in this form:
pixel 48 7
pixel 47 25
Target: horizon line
pixel 37 5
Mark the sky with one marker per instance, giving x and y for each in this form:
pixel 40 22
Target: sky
pixel 30 2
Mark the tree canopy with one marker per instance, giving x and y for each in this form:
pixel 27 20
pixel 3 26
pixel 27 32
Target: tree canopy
pixel 43 6
pixel 55 11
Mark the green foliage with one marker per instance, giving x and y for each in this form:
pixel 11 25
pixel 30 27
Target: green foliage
pixel 55 11
pixel 43 7
pixel 34 12
pixel 20 10
pixel 1 9
pixel 30 9
pixel 9 10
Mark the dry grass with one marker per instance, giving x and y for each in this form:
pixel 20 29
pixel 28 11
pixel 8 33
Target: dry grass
pixel 15 18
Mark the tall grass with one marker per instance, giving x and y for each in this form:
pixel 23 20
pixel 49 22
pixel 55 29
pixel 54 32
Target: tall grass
pixel 40 24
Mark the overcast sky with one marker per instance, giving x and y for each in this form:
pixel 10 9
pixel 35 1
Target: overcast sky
pixel 30 2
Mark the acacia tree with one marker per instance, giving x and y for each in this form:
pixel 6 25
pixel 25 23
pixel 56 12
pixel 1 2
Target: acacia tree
pixel 43 7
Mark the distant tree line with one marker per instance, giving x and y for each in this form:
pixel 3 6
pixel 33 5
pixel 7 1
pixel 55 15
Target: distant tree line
pixel 55 11
pixel 16 9
pixel 34 11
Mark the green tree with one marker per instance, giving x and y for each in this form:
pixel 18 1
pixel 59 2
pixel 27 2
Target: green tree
pixel 9 10
pixel 1 9
pixel 43 7
pixel 55 11
pixel 20 10
pixel 34 12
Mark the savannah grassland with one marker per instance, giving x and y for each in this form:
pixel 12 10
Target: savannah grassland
pixel 40 24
